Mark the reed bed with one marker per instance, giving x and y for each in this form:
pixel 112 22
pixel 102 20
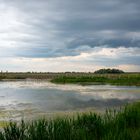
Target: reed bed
pixel 112 79
pixel 122 124
pixel 128 79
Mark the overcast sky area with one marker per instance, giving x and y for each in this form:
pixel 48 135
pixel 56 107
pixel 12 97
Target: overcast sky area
pixel 69 35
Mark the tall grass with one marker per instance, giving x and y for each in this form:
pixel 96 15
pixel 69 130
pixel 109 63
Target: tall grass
pixel 80 78
pixel 113 125
pixel 113 79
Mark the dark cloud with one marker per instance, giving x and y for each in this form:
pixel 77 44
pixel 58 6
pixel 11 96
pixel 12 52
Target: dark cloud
pixel 94 42
pixel 52 28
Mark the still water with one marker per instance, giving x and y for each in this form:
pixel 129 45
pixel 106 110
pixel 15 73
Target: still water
pixel 24 99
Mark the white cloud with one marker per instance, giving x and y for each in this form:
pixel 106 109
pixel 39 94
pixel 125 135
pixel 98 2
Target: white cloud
pixel 67 63
pixel 129 68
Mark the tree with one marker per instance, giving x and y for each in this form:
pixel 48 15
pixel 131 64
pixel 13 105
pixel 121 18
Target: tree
pixel 106 71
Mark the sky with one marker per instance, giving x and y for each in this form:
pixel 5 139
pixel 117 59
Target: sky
pixel 69 35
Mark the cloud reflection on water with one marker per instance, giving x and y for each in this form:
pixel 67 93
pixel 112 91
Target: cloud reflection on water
pixel 37 97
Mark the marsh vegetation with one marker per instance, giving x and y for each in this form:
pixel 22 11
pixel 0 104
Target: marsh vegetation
pixel 123 124
pixel 112 79
pixel 130 79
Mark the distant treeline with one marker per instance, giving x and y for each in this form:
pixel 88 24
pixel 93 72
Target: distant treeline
pixel 104 71
pixel 100 71
pixel 67 72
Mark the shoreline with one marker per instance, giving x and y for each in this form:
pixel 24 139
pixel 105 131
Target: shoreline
pixel 121 124
pixel 72 83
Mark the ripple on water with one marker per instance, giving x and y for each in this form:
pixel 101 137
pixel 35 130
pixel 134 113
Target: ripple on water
pixel 34 98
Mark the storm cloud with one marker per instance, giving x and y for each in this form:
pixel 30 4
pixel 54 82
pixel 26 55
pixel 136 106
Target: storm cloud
pixel 52 29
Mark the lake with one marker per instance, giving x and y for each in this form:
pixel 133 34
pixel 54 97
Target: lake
pixel 34 98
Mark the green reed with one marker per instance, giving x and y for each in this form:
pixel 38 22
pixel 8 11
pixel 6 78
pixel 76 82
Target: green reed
pixel 122 124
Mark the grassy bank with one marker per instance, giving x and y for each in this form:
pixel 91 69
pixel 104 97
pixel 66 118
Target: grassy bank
pixel 113 125
pixel 131 79
pixel 113 79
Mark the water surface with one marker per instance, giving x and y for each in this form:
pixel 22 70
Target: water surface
pixel 29 98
